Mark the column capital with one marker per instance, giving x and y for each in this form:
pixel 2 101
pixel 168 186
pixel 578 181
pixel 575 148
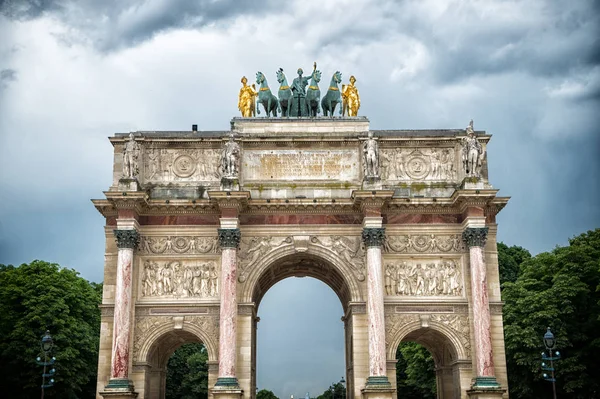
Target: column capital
pixel 127 238
pixel 229 238
pixel 475 236
pixel 373 236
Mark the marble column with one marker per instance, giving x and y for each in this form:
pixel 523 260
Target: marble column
pixel 373 239
pixel 475 238
pixel 229 240
pixel 127 241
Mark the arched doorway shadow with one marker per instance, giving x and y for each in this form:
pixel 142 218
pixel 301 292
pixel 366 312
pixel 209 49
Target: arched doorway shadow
pixel 321 266
pixel 150 369
pixel 449 354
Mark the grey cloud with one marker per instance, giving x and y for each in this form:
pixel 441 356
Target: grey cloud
pixel 8 75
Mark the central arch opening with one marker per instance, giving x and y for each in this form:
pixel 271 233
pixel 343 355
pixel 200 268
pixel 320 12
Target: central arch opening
pixel 301 344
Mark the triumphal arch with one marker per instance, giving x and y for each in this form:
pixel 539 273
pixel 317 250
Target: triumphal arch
pixel 399 223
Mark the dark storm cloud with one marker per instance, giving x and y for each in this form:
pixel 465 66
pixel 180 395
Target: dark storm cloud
pixel 114 24
pixel 8 75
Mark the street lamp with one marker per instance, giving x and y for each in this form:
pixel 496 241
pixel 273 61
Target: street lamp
pixel 343 382
pixel 46 344
pixel 549 343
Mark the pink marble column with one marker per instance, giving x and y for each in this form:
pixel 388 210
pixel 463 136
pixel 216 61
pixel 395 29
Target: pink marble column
pixel 484 366
pixel 373 239
pixel 127 240
pixel 229 240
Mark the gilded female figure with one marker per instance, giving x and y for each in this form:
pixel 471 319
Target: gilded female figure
pixel 351 98
pixel 246 99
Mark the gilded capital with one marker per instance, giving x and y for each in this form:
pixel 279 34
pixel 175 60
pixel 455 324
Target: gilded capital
pixel 229 238
pixel 475 236
pixel 128 238
pixel 374 236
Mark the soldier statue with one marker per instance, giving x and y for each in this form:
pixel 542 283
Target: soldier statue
pixel 472 153
pixel 131 153
pixel 230 158
pixel 371 156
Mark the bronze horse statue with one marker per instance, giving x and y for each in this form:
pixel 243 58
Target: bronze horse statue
pixel 265 97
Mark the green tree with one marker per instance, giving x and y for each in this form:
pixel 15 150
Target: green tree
pixel 556 289
pixel 336 390
pixel 187 373
pixel 265 394
pixel 509 261
pixel 43 296
pixel 415 372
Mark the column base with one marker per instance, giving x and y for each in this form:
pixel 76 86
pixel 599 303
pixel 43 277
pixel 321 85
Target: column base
pixel 227 388
pixel 485 388
pixel 119 388
pixel 378 388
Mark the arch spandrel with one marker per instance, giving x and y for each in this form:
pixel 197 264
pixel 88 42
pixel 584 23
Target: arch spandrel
pixel 452 330
pixel 151 330
pixel 312 256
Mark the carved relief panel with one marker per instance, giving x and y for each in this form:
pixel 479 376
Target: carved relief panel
pixel 196 278
pixel 172 165
pixel 423 243
pixel 189 245
pixel 419 164
pixel 423 277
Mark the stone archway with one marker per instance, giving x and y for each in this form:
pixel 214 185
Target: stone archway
pixel 443 336
pixel 315 263
pixel 156 345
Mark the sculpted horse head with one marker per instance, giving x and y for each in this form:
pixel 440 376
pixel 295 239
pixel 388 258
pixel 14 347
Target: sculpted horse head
pixel 281 76
pixel 337 77
pixel 260 78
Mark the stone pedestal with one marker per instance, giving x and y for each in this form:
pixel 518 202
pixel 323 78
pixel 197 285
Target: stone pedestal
pixel 230 183
pixel 119 388
pixel 374 392
pixel 487 393
pixel 225 393
pixel 129 184
pixel 372 183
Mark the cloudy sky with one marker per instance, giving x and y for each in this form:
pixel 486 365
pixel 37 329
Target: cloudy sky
pixel 74 72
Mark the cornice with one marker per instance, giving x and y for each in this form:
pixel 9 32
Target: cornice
pixel 237 200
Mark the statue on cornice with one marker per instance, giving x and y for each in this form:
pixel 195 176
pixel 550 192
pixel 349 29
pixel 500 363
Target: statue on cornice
pixel 230 157
pixel 472 152
pixel 371 156
pixel 131 153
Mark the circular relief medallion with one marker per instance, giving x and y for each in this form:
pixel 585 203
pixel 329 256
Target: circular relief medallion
pixel 417 168
pixel 184 166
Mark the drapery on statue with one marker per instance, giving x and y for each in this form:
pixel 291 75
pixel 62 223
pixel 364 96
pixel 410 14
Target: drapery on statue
pixel 265 97
pixel 472 153
pixel 371 156
pixel 350 98
pixel 131 152
pixel 230 157
pixel 246 99
pixel 299 106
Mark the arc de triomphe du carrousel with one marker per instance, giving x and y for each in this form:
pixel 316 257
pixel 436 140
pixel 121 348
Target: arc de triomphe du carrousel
pixel 401 224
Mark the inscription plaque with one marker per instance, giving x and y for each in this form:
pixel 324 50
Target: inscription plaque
pixel 301 165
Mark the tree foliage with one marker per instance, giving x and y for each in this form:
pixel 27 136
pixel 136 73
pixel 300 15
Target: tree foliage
pixel 43 296
pixel 265 394
pixel 336 390
pixel 509 261
pixel 415 372
pixel 556 289
pixel 187 373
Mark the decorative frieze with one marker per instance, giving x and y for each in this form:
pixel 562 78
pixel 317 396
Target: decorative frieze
pixel 180 279
pixel 166 165
pixel 373 237
pixel 229 238
pixel 423 278
pixel 475 236
pixel 421 164
pixel 164 245
pixel 423 243
pixel 127 238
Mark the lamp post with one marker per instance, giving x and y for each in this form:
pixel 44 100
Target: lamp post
pixel 549 343
pixel 343 382
pixel 46 344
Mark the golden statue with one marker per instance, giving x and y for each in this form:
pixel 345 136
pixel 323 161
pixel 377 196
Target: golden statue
pixel 246 102
pixel 350 98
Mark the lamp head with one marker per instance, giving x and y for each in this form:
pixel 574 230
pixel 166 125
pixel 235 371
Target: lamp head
pixel 549 340
pixel 47 342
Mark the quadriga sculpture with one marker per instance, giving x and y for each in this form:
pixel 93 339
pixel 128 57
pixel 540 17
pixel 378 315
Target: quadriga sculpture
pixel 285 94
pixel 265 97
pixel 333 96
pixel 313 95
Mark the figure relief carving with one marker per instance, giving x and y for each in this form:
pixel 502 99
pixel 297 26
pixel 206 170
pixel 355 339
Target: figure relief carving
pixel 350 249
pixel 178 245
pixel 458 323
pixel 418 278
pixel 181 165
pixel 472 153
pixel 435 164
pixel 208 324
pixel 180 279
pixel 394 322
pixel 371 156
pixel 131 154
pixel 423 243
pixel 230 158
pixel 255 248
